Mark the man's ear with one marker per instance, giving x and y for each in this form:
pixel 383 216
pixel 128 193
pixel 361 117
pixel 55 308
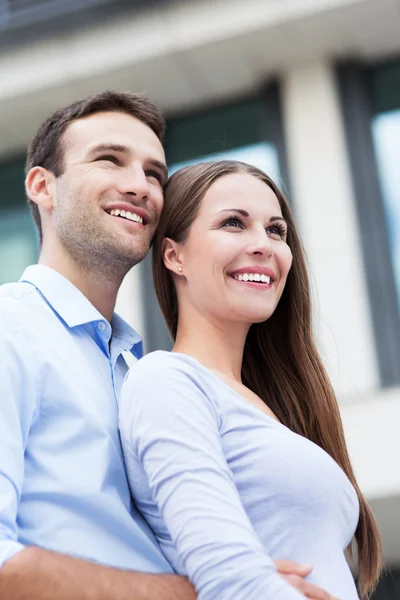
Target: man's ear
pixel 172 256
pixel 39 187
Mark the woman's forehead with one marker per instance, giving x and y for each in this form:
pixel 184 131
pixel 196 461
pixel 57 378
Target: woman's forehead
pixel 240 190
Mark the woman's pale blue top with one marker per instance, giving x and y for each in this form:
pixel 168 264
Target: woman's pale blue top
pixel 226 488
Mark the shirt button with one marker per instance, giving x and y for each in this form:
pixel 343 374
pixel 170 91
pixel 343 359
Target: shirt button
pixel 101 326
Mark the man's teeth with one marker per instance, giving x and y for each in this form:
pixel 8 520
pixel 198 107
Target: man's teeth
pixel 253 277
pixel 125 214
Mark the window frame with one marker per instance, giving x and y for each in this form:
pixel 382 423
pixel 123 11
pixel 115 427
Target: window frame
pixel 356 100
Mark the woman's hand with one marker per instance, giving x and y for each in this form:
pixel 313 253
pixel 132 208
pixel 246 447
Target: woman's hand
pixel 294 574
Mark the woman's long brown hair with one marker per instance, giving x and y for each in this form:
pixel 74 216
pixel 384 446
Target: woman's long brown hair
pixel 281 363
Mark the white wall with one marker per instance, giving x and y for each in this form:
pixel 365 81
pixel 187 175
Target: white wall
pixel 130 300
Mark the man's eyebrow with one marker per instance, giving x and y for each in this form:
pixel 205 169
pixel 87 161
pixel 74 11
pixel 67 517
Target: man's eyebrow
pixel 108 148
pixel 124 149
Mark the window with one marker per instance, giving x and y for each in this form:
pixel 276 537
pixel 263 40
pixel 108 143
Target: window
pixel 385 93
pixel 371 107
pixel 238 132
pixel 22 19
pixel 249 131
pixel 18 245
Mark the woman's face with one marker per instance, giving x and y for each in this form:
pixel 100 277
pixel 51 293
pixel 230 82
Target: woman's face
pixel 235 259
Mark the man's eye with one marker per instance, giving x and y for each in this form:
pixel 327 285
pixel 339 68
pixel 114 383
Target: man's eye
pixel 108 157
pixel 155 174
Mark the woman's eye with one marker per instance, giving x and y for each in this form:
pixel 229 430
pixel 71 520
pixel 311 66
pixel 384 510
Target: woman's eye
pixel 277 231
pixel 233 222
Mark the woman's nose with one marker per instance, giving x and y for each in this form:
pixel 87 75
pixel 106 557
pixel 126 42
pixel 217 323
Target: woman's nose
pixel 260 244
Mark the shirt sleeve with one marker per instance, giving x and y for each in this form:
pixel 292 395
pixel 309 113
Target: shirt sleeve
pixel 172 427
pixel 17 407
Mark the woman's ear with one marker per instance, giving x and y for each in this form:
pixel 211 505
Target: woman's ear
pixel 172 256
pixel 39 186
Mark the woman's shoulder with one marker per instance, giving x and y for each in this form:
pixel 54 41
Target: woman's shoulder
pixel 162 368
pixel 162 374
pixel 163 362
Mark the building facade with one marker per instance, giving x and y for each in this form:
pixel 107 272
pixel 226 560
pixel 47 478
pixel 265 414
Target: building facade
pixel 307 89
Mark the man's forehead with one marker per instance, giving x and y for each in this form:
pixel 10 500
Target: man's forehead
pixel 114 128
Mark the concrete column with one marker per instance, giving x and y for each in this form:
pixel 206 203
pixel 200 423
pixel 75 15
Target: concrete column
pixel 324 207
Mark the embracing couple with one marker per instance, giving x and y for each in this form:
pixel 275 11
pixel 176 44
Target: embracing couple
pixel 231 445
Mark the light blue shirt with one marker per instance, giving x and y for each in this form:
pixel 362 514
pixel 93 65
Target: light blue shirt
pixel 62 479
pixel 226 488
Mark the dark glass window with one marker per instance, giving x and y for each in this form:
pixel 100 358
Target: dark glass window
pixel 18 240
pixel 385 100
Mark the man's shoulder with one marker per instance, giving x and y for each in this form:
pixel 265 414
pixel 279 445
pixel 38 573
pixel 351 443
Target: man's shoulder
pixel 15 295
pixel 19 301
pixel 15 291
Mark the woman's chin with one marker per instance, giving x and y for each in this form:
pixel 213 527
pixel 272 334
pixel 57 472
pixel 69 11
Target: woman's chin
pixel 255 316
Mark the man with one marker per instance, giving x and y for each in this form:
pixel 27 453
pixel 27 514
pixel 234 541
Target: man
pixel 95 176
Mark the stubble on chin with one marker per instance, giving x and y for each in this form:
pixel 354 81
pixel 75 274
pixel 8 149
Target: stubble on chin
pixel 99 252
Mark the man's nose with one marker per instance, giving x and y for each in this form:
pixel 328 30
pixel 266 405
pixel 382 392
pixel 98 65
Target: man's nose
pixel 134 182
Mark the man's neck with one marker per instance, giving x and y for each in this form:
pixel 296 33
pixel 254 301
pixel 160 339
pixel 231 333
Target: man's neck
pixel 99 290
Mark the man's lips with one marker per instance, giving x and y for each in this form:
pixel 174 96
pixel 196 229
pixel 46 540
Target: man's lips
pixel 122 208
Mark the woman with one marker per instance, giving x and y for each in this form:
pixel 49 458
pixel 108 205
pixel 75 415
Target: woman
pixel 233 441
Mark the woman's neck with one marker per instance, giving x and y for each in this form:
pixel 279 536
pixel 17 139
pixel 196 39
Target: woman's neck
pixel 218 346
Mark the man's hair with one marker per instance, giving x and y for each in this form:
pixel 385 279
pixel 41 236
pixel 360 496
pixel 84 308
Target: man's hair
pixel 46 149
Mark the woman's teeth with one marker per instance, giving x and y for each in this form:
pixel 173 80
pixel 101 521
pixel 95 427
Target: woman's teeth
pixel 253 277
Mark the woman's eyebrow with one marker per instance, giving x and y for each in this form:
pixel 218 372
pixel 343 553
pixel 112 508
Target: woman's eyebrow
pixel 277 218
pixel 242 212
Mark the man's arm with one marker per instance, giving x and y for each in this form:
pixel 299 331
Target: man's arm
pixel 18 411
pixel 36 574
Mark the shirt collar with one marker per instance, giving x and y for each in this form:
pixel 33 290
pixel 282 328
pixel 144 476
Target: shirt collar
pixel 73 306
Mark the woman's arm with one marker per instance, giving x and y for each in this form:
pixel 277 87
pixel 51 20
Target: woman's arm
pixel 172 427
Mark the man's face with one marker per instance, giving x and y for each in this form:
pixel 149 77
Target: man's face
pixel 110 195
